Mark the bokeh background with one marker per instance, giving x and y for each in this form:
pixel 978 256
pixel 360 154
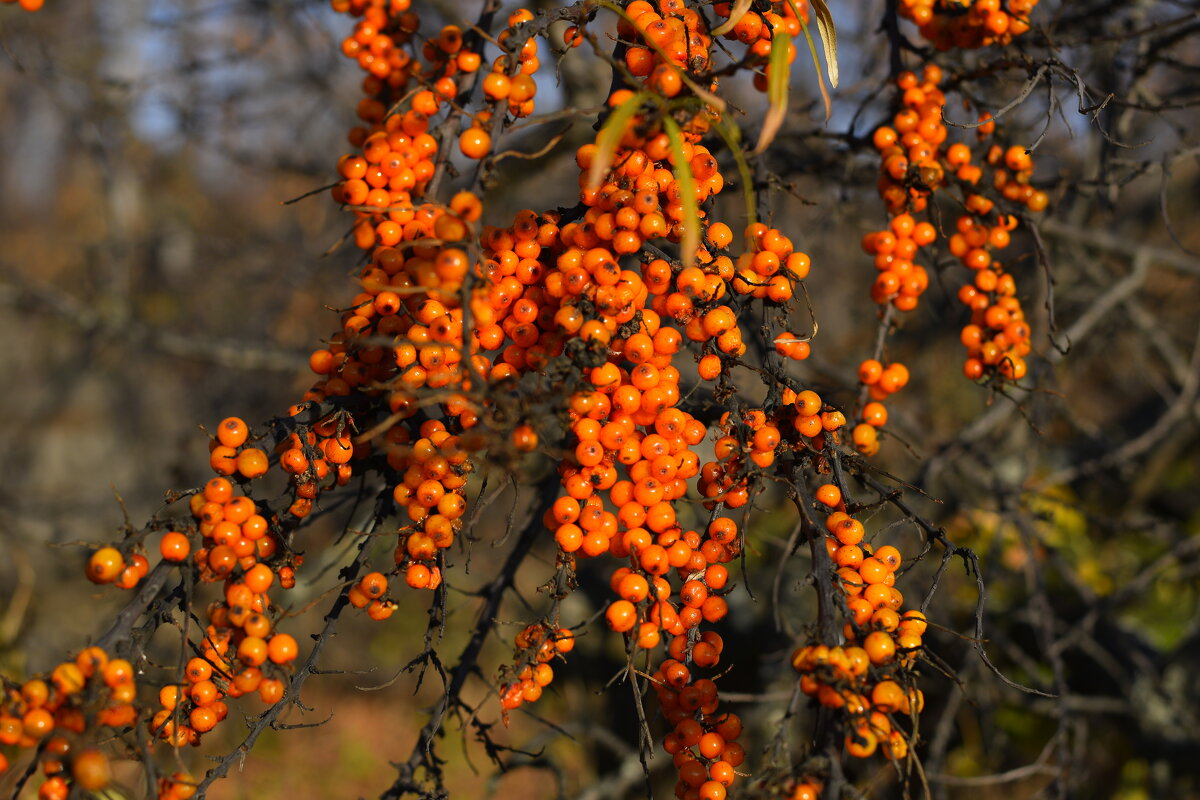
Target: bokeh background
pixel 161 268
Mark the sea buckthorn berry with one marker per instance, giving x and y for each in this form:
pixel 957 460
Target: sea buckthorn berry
pixel 91 770
pixel 475 142
pixel 175 546
pixel 252 463
pixel 880 647
pixel 875 414
pixel 889 557
pixel 870 371
pixel 105 565
pixel 913 621
pixel 621 616
pixel 849 531
pixel 282 648
pixel 829 495
pixel 634 588
pixel 198 669
pixel 710 367
pixel 232 432
pixel 259 578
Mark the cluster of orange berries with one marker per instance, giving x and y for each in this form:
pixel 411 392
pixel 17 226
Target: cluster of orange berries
pixel 434 470
pixel 756 28
pixel 726 480
pixel 110 565
pixel 381 55
pixel 241 652
pixel 239 547
pixel 231 454
pixel 900 281
pixel 814 419
pixel 316 457
pixel 703 741
pixel 509 89
pixel 673 40
pixel 445 335
pixel 626 416
pixel 628 437
pixel 534 648
pixel 914 165
pixel 966 24
pixel 910 169
pixel 237 539
pixel 1012 171
pixel 51 714
pixel 868 679
pixel 397 151
pixel 657 467
pixel 230 665
pixel 770 267
pixel 997 336
pixel 645 610
pixel 516 87
pixel 881 382
pixel 641 200
pixel 404 332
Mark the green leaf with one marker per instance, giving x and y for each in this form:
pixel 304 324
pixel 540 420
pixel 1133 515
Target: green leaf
pixel 812 48
pixel 610 137
pixel 777 89
pixel 732 135
pixel 735 16
pixel 687 189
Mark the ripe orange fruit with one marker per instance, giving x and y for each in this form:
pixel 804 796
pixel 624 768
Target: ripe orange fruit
pixel 91 770
pixel 105 565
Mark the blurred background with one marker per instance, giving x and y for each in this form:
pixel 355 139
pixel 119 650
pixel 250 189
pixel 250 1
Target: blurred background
pixel 161 267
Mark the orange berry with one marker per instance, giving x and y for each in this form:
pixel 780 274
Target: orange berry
pixel 282 648
pixel 105 565
pixel 233 432
pixel 475 142
pixel 621 616
pixel 829 494
pixel 252 462
pixel 175 546
pixel 880 647
pixel 91 770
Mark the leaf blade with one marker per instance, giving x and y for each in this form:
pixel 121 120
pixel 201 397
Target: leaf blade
pixel 735 16
pixel 778 76
pixel 733 140
pixel 610 136
pixel 812 49
pixel 690 243
pixel 828 33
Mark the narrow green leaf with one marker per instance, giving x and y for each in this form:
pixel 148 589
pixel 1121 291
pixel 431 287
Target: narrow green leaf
pixel 828 38
pixel 812 48
pixel 610 137
pixel 732 135
pixel 687 189
pixel 735 16
pixel 777 89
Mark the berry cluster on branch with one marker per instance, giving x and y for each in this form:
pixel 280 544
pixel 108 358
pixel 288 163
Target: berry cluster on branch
pixel 576 334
